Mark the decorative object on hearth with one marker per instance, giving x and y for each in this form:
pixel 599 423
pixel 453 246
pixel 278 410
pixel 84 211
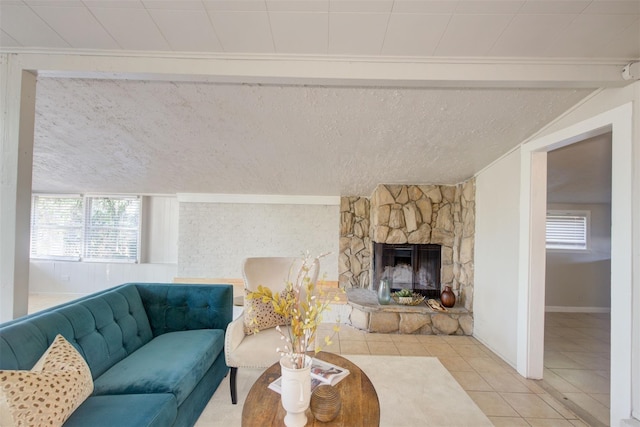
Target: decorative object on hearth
pixel 384 292
pixel 435 305
pixel 406 297
pixel 447 297
pixel 325 403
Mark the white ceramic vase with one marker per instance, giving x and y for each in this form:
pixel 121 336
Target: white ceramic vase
pixel 296 391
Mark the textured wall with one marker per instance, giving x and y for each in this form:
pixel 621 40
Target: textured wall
pixel 214 238
pixel 355 244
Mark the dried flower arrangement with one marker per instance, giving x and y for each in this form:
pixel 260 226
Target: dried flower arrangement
pixel 302 304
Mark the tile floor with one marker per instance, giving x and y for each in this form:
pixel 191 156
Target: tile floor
pixel 577 362
pixel 574 392
pixel 504 396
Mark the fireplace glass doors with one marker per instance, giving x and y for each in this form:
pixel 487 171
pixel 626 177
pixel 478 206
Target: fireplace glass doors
pixel 406 266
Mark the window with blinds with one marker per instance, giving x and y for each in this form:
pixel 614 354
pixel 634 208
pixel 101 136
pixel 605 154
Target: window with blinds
pixel 57 227
pixel 85 228
pixel 567 230
pixel 111 231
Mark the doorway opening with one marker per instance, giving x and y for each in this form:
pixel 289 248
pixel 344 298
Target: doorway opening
pixel 577 339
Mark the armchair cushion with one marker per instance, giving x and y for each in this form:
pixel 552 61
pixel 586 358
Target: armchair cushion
pixel 261 315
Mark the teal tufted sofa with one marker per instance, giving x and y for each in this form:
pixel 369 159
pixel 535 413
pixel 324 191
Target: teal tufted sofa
pixel 155 350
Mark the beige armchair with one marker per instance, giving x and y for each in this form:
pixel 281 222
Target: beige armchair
pixel 259 350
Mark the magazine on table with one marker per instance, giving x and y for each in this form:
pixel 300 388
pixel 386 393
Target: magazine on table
pixel 321 373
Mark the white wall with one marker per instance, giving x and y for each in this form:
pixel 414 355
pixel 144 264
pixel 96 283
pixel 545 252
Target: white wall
pixel 496 256
pixel 581 280
pixel 214 238
pixel 160 236
pixel 159 258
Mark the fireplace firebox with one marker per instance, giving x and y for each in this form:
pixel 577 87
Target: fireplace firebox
pixel 408 266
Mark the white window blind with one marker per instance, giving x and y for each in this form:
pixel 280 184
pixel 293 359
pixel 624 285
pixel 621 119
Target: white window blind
pixel 567 230
pixel 90 228
pixel 112 228
pixel 57 227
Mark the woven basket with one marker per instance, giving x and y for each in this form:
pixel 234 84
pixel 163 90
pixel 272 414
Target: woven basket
pixel 325 403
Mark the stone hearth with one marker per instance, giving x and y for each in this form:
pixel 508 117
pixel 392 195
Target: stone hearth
pixel 368 315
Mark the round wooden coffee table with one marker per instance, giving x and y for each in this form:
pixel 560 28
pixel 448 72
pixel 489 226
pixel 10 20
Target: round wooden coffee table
pixel 360 405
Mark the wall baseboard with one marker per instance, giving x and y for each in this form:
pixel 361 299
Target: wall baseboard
pixel 563 309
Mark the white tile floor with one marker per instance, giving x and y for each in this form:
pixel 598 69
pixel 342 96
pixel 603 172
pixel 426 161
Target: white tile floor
pixel 574 392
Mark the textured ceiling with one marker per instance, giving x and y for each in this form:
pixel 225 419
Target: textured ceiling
pixel 164 137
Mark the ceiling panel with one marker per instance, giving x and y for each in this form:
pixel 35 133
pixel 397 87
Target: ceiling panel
pixel 472 35
pixel 254 27
pixel 133 29
pixel 27 28
pixel 54 3
pixel 117 4
pixel 608 7
pixel 311 29
pixel 414 34
pixel 361 6
pixel 235 5
pixel 186 30
pixel 424 6
pixel 298 5
pixel 357 33
pixel 554 7
pixel 489 7
pixel 589 35
pixel 7 40
pixel 77 26
pixel 174 4
pixel 530 35
pixel 623 45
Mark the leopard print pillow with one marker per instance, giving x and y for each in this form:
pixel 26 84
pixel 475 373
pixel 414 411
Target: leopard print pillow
pixel 48 394
pixel 260 315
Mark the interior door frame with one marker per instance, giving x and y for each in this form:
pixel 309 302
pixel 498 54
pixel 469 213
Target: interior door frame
pixel 531 290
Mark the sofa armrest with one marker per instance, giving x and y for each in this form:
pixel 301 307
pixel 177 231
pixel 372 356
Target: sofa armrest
pixel 172 307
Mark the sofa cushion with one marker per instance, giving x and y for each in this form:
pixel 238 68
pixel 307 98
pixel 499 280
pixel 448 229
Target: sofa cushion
pixel 140 410
pixel 50 392
pixel 170 363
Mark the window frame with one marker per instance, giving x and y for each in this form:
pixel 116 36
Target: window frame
pixel 586 214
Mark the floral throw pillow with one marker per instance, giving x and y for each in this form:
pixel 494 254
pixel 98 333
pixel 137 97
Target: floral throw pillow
pixel 48 394
pixel 260 315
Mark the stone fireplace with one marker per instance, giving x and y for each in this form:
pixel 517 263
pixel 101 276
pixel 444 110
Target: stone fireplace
pixel 409 215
